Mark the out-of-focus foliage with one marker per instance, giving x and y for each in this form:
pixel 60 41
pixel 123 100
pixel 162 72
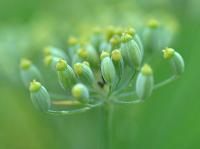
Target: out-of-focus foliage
pixel 165 121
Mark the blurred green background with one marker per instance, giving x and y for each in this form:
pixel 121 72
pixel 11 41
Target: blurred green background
pixel 170 119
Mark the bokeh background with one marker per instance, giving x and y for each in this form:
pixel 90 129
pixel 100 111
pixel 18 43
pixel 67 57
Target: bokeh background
pixel 170 119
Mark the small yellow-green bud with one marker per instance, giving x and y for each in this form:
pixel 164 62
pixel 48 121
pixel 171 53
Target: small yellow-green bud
pixel 39 96
pixel 86 63
pixel 146 70
pixel 84 73
pixel 47 50
pixel 83 53
pixel 25 64
pixel 116 55
pixel 80 92
pixel 144 82
pixel 126 37
pixel 78 68
pixel 168 53
pixel 115 40
pixel 108 70
pixel 104 54
pixel 131 31
pixel 61 65
pixel 153 23
pixel 34 86
pixel 72 41
pixel 48 60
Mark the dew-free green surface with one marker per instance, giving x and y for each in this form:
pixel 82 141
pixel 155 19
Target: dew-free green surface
pixel 170 119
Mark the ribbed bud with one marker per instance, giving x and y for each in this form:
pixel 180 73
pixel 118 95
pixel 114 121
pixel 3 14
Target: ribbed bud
pixel 51 61
pixel 93 57
pixel 145 82
pixel 55 52
pixel 104 54
pixel 29 72
pixel 39 96
pixel 84 73
pixel 80 92
pixel 175 59
pixel 156 37
pixel 108 70
pixel 66 75
pixel 118 62
pixel 131 52
pixel 115 42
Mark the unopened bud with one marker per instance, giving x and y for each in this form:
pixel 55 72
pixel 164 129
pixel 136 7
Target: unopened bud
pixel 80 92
pixel 39 96
pixel 175 59
pixel 145 82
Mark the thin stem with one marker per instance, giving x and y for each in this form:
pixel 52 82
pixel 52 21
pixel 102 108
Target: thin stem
pixel 165 82
pixel 107 111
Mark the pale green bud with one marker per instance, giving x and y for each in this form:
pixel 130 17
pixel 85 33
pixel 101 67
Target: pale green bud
pixel 93 57
pixel 131 52
pixel 145 82
pixel 105 46
pixel 108 70
pixel 29 72
pixel 55 52
pixel 156 37
pixel 118 62
pixel 84 73
pixel 97 38
pixel 115 42
pixel 51 61
pixel 39 96
pixel 104 54
pixel 80 92
pixel 175 59
pixel 66 75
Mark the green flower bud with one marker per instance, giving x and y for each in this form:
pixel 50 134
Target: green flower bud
pixel 115 42
pixel 39 96
pixel 29 72
pixel 80 92
pixel 93 57
pixel 145 82
pixel 66 75
pixel 72 41
pixel 55 52
pixel 118 62
pixel 155 37
pixel 84 73
pixel 131 31
pixel 104 54
pixel 131 52
pixel 97 38
pixel 51 61
pixel 175 59
pixel 108 70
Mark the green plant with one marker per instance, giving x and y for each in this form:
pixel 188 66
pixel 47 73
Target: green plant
pixel 111 68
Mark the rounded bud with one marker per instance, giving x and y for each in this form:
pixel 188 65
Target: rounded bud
pixel 61 65
pixel 83 53
pixel 80 92
pixel 72 41
pixel 175 59
pixel 84 73
pixel 108 70
pixel 153 23
pixel 145 82
pixel 55 52
pixel 39 96
pixel 131 31
pixel 104 54
pixel 29 72
pixel 118 62
pixel 66 75
pixel 131 52
pixel 116 55
pixel 115 41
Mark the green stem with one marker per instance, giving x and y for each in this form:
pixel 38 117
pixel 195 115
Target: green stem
pixel 107 111
pixel 167 81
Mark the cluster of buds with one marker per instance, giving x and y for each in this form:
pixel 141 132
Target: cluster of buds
pixel 108 68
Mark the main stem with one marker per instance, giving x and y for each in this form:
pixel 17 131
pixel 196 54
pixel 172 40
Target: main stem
pixel 107 111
